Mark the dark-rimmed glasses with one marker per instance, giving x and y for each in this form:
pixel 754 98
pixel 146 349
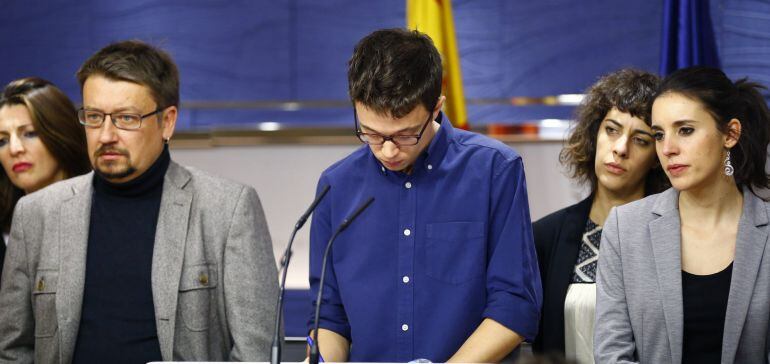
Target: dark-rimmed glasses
pixel 399 140
pixel 121 120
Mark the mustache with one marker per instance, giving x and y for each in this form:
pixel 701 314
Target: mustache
pixel 110 149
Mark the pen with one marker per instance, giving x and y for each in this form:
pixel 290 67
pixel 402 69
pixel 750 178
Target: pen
pixel 310 342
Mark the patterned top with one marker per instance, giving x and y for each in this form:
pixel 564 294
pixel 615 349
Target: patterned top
pixel 588 255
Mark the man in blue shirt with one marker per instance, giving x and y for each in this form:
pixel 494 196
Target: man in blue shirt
pixel 442 265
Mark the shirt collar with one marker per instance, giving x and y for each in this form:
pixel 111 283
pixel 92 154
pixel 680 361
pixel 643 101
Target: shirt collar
pixel 432 156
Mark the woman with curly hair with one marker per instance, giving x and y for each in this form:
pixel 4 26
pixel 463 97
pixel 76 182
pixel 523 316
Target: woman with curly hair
pixel 41 142
pixel 610 148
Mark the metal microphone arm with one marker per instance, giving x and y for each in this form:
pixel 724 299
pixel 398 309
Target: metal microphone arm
pixel 314 351
pixel 275 349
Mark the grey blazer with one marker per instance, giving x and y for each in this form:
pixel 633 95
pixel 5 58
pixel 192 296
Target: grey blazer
pixel 214 279
pixel 639 285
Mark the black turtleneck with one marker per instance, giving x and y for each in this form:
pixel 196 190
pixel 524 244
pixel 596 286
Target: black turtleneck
pixel 118 316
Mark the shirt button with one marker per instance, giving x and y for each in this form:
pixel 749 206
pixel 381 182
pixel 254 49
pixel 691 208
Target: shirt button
pixel 404 327
pixel 405 279
pixel 407 232
pixel 430 166
pixel 382 168
pixel 408 185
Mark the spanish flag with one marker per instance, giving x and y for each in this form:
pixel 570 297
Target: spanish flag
pixel 434 18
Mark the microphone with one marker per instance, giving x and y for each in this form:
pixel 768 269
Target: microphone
pixel 344 225
pixel 275 350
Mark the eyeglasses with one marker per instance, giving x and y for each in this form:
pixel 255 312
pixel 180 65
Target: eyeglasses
pixel 399 140
pixel 121 120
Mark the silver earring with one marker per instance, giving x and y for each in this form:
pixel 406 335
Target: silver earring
pixel 728 165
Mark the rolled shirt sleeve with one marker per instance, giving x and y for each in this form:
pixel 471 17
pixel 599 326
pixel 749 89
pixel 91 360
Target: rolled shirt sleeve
pixel 514 293
pixel 332 315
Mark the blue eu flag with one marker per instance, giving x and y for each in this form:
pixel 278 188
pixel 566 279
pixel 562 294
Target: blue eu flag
pixel 688 36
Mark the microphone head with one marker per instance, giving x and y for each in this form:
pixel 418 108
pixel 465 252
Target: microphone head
pixel 303 219
pixel 346 222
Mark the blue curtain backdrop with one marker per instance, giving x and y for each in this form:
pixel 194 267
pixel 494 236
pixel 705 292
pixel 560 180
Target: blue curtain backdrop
pixel 234 53
pixel 688 36
pixel 742 29
pixel 247 51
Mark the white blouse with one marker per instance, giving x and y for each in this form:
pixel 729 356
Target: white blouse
pixel 579 314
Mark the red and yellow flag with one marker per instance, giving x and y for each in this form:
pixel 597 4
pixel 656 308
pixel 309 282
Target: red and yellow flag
pixel 434 18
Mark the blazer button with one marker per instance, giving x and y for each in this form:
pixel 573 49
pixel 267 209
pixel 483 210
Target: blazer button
pixel 40 285
pixel 204 279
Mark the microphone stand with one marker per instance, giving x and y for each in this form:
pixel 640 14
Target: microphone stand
pixel 314 353
pixel 275 349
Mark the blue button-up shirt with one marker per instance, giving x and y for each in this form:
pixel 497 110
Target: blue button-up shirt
pixel 438 251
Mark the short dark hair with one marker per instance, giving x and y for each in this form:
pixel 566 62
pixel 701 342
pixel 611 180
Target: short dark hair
pixel 724 101
pixel 393 70
pixel 630 91
pixel 137 62
pixel 55 120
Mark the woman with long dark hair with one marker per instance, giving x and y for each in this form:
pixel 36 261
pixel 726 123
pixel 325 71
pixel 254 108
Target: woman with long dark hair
pixel 684 275
pixel 41 142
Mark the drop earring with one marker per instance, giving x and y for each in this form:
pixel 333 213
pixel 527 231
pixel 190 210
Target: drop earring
pixel 728 165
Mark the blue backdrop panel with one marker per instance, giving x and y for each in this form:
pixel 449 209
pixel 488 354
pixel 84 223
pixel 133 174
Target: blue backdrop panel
pixel 326 32
pixel 743 37
pixel 537 48
pixel 257 50
pixel 43 38
pixel 226 50
pixel 555 46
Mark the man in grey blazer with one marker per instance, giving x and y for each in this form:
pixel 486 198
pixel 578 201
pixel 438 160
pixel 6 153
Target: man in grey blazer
pixel 143 259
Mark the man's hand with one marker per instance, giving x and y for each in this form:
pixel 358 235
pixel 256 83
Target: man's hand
pixel 490 343
pixel 334 347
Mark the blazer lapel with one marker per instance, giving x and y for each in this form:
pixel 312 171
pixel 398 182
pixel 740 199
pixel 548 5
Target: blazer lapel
pixel 74 218
pixel 168 254
pixel 749 250
pixel 665 232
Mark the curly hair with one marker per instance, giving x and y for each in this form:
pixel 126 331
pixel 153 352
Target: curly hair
pixel 630 91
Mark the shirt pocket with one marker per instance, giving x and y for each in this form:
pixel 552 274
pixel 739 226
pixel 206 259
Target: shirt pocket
pixel 196 292
pixel 455 251
pixel 44 302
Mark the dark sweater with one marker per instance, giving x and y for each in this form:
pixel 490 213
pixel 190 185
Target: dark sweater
pixel 118 316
